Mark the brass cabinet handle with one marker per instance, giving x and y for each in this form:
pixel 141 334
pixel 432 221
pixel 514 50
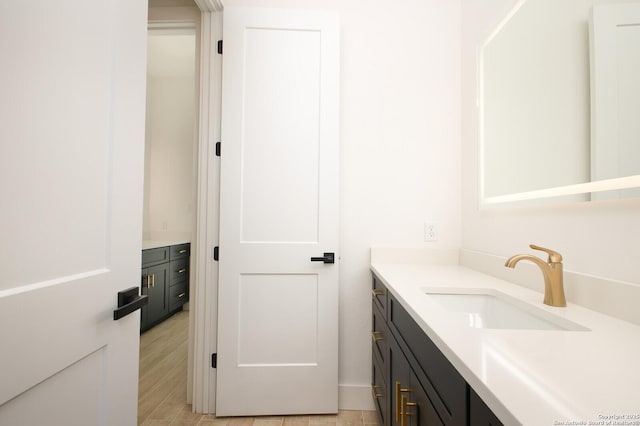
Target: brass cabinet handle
pixel 182 251
pixel 377 336
pixel 375 394
pixel 148 280
pixel 183 270
pixel 399 390
pixel 404 412
pixel 181 295
pixel 377 293
pixel 153 280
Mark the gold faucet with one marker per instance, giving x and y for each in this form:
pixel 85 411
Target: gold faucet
pixel 551 270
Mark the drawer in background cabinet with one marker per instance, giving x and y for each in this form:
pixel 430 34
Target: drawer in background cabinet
pixel 179 251
pixel 155 256
pixel 178 270
pixel 178 295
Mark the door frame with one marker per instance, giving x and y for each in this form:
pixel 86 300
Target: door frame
pixel 201 380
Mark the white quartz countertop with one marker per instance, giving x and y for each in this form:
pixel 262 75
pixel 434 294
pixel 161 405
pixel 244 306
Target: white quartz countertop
pixel 529 377
pixel 151 244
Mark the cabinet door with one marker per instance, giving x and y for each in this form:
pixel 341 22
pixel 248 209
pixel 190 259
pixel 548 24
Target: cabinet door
pixel 446 388
pixel 419 407
pixel 410 405
pixel 158 305
pixel 400 383
pixel 479 413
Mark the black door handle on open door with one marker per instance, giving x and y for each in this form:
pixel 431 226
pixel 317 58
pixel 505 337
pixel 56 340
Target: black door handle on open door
pixel 128 301
pixel 327 258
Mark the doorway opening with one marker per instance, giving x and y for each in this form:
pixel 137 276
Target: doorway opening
pixel 204 17
pixel 170 198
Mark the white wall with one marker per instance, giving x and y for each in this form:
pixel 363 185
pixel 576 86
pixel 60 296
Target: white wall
pixel 597 238
pixel 169 196
pixel 400 121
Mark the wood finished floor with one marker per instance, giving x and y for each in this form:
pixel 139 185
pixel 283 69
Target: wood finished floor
pixel 163 387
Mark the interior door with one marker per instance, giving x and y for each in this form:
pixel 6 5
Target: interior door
pixel 278 309
pixel 72 79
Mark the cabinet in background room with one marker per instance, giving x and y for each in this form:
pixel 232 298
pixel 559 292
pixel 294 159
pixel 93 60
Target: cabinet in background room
pixel 165 279
pixel 178 276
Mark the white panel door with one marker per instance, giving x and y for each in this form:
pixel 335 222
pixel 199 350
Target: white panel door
pixel 278 310
pixel 72 79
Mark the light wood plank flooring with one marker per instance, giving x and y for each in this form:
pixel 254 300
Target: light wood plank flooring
pixel 163 387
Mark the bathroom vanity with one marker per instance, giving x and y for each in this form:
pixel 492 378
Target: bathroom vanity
pixel 413 382
pixel 165 279
pixel 453 346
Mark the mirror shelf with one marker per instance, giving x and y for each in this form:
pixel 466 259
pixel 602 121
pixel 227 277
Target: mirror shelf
pixel 587 188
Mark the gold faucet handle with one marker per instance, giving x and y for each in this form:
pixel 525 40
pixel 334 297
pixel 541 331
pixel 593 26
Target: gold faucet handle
pixel 554 256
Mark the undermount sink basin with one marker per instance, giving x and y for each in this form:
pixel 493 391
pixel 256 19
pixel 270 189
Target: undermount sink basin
pixel 488 308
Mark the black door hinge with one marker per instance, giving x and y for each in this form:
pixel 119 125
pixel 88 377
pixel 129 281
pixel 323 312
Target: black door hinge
pixel 216 251
pixel 214 360
pixel 217 149
pixel 220 47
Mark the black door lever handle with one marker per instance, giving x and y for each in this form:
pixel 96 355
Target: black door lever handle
pixel 129 301
pixel 327 258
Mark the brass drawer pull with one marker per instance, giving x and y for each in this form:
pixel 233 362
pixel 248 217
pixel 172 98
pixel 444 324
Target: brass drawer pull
pixel 375 394
pixel 377 293
pixel 377 336
pixel 404 412
pixel 399 390
pixel 181 295
pixel 182 251
pixel 182 271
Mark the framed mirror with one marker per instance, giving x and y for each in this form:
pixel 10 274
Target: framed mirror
pixel 559 102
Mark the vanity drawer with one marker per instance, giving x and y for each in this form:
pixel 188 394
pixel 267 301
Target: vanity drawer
pixel 178 270
pixel 445 387
pixel 379 392
pixel 379 336
pixel 179 251
pixel 155 256
pixel 178 295
pixel 379 294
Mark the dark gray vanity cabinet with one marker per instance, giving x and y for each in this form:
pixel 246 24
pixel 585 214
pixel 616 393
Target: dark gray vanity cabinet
pixel 165 279
pixel 414 384
pixel 178 276
pixel 380 355
pixel 479 412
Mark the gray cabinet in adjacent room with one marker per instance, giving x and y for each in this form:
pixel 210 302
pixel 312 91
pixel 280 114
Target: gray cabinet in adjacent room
pixel 165 279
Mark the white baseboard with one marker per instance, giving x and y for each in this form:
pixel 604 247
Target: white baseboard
pixel 355 397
